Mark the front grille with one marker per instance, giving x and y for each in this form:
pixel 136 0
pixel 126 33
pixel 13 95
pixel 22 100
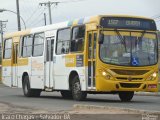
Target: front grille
pixel 130 85
pixel 125 78
pixel 130 72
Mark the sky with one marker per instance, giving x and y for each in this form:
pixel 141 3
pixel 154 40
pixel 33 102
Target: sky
pixel 33 14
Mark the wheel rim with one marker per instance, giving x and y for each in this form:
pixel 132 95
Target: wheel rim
pixel 25 88
pixel 77 89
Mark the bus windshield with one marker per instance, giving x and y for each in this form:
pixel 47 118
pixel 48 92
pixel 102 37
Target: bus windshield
pixel 129 48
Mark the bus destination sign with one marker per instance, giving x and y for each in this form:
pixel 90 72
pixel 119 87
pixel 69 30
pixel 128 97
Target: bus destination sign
pixel 128 23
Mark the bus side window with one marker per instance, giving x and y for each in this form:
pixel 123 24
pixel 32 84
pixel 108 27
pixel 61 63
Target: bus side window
pixel 7 49
pixel 49 49
pixel 38 44
pixel 27 46
pixel 63 39
pixel 78 35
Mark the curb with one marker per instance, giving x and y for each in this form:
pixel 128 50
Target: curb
pixel 147 93
pixel 93 107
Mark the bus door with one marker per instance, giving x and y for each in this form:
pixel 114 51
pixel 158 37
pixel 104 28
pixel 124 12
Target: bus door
pixel 37 62
pixel 92 38
pixel 49 83
pixel 7 62
pixel 15 65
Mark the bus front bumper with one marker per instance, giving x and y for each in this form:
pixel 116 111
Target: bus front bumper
pixel 114 85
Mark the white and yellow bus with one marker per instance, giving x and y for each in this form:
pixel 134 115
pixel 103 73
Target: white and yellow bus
pixel 93 55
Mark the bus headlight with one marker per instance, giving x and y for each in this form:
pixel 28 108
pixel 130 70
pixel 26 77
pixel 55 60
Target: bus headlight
pixel 106 75
pixel 152 76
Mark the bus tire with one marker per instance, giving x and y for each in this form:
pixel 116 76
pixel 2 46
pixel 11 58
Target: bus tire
pixel 66 94
pixel 77 94
pixel 126 96
pixel 27 91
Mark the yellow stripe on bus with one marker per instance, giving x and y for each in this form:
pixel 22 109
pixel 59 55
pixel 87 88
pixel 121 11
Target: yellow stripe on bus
pixel 136 34
pixel 21 62
pixel 6 62
pixel 70 60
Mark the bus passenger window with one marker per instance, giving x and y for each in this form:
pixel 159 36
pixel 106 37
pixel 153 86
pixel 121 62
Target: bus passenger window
pixel 77 42
pixel 49 49
pixel 63 40
pixel 27 46
pixel 38 44
pixel 7 49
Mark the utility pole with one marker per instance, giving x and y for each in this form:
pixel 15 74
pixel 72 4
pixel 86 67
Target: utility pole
pixel 45 19
pixel 18 16
pixel 2 26
pixel 49 4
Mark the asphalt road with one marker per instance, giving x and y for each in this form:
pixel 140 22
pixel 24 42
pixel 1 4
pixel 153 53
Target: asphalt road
pixel 53 101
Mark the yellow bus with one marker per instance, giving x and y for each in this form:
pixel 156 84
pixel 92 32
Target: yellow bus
pixel 103 54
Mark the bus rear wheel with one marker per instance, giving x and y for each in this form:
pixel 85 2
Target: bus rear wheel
pixel 126 96
pixel 77 94
pixel 27 91
pixel 66 94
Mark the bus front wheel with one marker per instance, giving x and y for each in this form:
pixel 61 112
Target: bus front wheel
pixel 77 94
pixel 66 94
pixel 126 96
pixel 27 91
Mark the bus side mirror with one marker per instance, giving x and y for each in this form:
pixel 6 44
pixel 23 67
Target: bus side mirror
pixel 101 38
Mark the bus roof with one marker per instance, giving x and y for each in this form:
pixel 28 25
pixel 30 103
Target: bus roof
pixel 81 21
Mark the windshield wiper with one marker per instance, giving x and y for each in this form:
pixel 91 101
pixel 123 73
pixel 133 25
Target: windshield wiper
pixel 122 39
pixel 143 33
pixel 140 38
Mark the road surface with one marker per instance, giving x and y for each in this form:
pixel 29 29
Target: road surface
pixel 53 101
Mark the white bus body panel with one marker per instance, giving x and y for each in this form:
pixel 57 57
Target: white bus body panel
pixel 6 77
pixel 24 69
pixel 62 73
pixel 37 72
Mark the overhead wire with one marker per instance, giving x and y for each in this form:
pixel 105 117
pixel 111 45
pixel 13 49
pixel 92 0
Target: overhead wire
pixel 31 22
pixel 28 9
pixel 35 20
pixel 34 12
